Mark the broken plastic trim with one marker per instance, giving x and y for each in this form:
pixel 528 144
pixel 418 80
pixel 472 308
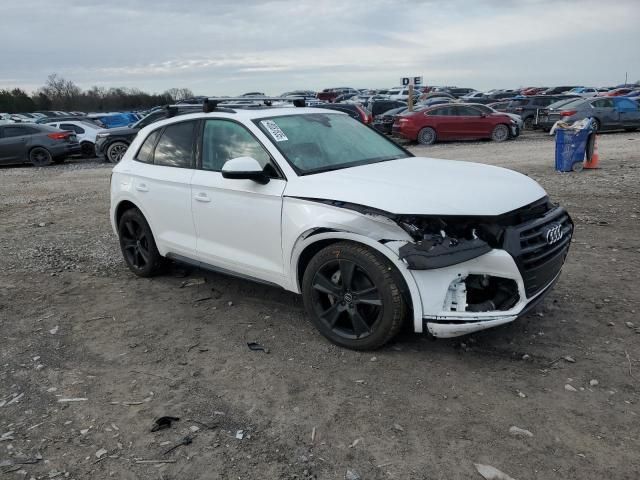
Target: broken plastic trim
pixel 439 252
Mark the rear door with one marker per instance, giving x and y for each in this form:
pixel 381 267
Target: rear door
pixel 161 183
pixel 14 141
pixel 604 110
pixel 470 122
pixel 238 222
pixel 444 121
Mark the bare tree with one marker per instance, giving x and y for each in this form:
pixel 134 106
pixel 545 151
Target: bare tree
pixel 63 93
pixel 178 94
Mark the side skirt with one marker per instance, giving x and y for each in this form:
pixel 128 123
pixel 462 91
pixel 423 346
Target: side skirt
pixel 212 268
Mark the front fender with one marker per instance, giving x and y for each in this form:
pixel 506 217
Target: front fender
pixel 309 238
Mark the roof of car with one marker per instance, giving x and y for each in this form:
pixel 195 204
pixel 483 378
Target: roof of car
pixel 245 115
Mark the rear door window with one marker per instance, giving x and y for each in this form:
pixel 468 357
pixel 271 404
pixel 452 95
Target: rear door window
pixel 603 103
pixel 15 131
pixel 466 112
pixel 72 128
pixel 442 111
pixel 175 146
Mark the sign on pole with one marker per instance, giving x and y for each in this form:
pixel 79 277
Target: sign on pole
pixel 411 82
pixel 415 81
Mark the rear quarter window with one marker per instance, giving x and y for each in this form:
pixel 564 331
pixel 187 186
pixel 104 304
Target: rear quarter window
pixel 145 154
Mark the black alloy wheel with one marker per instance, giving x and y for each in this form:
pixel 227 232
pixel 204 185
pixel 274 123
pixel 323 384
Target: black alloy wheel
pixel 346 299
pixel 352 296
pixel 137 244
pixel 40 157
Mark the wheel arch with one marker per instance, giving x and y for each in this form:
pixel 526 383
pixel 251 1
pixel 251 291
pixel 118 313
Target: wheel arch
pixel 311 243
pixel 122 207
pixel 125 204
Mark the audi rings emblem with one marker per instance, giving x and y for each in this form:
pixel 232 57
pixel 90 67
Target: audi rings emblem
pixel 554 234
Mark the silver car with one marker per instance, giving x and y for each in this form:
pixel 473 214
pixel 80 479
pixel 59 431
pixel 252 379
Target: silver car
pixel 608 113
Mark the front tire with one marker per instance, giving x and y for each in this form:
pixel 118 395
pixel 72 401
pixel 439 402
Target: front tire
pixel 352 296
pixel 500 133
pixel 40 157
pixel 116 150
pixel 138 245
pixel 427 136
pixel 528 123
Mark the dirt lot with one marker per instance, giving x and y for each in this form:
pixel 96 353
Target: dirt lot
pixel 75 324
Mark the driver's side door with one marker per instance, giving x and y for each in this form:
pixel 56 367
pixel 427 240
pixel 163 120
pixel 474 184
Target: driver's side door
pixel 238 222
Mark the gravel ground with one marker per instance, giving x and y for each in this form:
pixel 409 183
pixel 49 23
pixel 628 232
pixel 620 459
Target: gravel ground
pixel 91 355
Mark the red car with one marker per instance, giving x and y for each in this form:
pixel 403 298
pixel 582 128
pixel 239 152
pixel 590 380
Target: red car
pixel 616 92
pixel 453 122
pixel 533 90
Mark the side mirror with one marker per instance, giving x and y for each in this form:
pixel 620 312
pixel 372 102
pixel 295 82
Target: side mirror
pixel 244 168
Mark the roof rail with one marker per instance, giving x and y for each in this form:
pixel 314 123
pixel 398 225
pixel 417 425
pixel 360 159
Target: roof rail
pixel 210 104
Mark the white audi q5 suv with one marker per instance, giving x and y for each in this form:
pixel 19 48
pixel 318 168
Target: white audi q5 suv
pixel 319 204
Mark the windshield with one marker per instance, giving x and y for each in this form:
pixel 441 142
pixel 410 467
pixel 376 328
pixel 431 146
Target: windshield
pixel 319 142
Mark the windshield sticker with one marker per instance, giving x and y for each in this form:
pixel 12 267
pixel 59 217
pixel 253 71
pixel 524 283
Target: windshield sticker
pixel 275 131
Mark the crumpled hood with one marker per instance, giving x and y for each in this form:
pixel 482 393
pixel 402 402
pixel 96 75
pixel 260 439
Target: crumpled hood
pixel 423 186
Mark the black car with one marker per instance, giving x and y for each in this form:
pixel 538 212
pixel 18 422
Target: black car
pixel 354 110
pixel 41 145
pixel 376 107
pixel 112 144
pixel 529 107
pixel 384 122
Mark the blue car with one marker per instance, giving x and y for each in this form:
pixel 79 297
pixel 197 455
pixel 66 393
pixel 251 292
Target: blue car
pixel 115 120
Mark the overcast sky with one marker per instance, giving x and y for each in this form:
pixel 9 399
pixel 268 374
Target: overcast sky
pixel 227 47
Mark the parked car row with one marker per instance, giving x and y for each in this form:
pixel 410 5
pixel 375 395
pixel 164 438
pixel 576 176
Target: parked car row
pixel 439 113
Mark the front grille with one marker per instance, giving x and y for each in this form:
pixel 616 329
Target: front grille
pixel 539 260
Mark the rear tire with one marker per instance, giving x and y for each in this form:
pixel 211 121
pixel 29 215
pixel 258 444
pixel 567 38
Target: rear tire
pixel 138 245
pixel 88 149
pixel 351 294
pixel 500 133
pixel 115 151
pixel 427 136
pixel 40 157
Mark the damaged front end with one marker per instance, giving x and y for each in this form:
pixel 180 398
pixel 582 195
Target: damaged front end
pixel 477 272
pixel 441 242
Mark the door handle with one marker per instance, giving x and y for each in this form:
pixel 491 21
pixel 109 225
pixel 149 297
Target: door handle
pixel 142 187
pixel 202 197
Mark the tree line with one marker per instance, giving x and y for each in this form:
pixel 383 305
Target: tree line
pixel 61 94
